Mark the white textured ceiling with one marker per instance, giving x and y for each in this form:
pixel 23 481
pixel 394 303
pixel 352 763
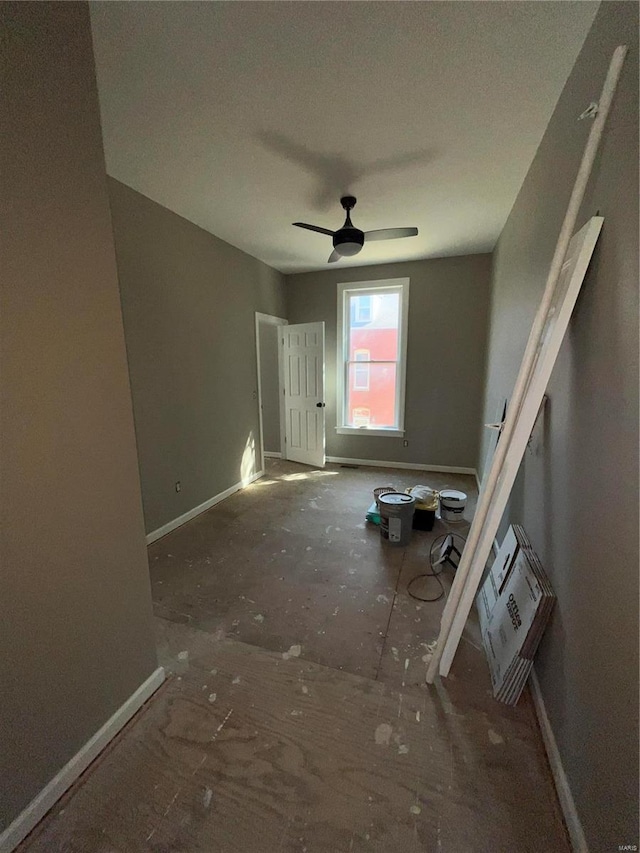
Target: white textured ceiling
pixel 244 117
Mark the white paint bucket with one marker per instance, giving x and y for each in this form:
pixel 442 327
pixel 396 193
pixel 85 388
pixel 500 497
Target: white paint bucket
pixel 396 517
pixel 452 505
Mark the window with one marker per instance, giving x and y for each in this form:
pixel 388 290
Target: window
pixel 361 371
pixel 361 308
pixel 372 347
pixel 361 417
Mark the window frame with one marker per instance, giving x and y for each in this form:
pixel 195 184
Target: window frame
pixel 346 289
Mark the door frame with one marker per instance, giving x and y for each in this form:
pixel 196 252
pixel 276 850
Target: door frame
pixel 272 320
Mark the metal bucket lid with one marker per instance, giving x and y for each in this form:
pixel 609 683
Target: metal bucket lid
pixel 452 495
pixel 396 499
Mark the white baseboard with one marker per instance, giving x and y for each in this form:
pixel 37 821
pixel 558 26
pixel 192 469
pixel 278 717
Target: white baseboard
pixel 62 781
pixel 272 455
pixel 187 516
pixel 567 804
pixel 409 466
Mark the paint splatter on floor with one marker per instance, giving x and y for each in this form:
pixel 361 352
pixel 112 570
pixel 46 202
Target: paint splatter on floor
pixel 382 735
pixel 294 652
pixel 430 649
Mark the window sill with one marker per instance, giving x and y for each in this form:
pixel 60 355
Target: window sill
pixel 390 433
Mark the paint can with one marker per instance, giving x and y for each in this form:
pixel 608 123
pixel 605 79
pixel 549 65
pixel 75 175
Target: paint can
pixel 396 517
pixel 382 490
pixel 452 505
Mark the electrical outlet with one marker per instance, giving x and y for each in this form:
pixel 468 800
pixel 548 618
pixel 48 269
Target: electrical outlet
pixel 178 485
pixel 405 443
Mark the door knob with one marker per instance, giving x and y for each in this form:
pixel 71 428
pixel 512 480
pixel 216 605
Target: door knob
pixel 320 405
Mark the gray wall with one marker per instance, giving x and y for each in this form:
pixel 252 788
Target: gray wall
pixel 448 309
pixel 189 301
pixel 75 622
pixel 577 494
pixel 270 386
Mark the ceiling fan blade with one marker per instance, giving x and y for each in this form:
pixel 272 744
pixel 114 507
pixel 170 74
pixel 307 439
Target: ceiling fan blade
pixel 333 257
pixel 314 228
pixel 389 234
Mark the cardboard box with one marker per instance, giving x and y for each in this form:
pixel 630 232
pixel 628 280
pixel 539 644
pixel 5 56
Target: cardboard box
pixel 514 605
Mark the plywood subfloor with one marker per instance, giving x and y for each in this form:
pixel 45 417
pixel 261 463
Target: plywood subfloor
pixel 297 717
pixel 246 752
pixel 291 560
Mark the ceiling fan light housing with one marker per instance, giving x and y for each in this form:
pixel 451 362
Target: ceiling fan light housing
pixel 348 249
pixel 348 241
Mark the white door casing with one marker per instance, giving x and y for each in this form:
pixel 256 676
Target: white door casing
pixel 274 321
pixel 303 369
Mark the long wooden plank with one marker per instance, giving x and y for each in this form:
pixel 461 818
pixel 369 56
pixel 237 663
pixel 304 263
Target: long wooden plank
pixel 484 528
pixel 580 251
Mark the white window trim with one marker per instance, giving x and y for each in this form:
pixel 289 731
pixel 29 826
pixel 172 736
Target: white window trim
pixel 344 288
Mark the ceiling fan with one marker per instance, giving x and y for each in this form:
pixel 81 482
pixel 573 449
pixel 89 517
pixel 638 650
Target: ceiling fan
pixel 348 240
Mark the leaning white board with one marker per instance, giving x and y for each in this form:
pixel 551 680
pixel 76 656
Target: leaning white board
pixel 484 528
pixel 572 275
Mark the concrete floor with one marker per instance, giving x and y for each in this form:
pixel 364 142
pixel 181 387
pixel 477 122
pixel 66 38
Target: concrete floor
pixel 297 717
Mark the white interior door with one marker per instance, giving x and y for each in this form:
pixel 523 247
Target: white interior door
pixel 303 370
